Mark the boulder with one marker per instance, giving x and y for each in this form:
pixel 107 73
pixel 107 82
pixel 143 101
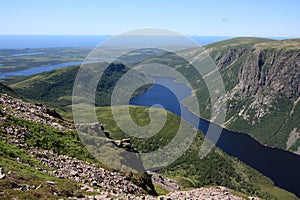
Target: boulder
pixel 50 182
pixel 94 183
pixel 53 113
pixel 25 187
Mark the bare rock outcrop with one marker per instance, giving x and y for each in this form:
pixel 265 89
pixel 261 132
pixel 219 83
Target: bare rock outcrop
pixel 36 113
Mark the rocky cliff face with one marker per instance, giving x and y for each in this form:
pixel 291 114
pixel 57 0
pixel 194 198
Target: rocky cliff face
pixel 264 65
pixel 263 90
pixel 228 57
pixel 277 70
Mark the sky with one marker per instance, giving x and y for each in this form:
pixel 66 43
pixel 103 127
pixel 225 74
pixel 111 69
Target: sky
pixel 260 18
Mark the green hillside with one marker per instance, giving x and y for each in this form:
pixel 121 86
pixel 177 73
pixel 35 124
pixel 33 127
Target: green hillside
pixel 215 169
pixel 239 42
pixel 262 82
pixel 55 87
pixel 29 148
pixel 7 90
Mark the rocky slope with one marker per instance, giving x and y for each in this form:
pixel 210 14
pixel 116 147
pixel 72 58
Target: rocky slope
pixel 58 165
pixel 48 172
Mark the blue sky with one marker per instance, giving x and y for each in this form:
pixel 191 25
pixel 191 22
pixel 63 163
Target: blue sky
pixel 191 17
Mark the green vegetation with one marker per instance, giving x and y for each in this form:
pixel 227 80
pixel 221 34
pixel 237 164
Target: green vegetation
pixel 54 88
pixel 191 171
pixel 275 135
pixel 49 138
pixel 46 137
pixel 26 174
pixel 7 90
pixel 160 190
pixel 44 57
pixel 141 117
pixel 239 42
pixel 262 59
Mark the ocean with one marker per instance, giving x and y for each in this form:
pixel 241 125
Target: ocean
pixel 46 41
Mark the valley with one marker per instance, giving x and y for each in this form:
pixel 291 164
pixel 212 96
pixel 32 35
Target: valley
pixel 39 152
pixel 261 77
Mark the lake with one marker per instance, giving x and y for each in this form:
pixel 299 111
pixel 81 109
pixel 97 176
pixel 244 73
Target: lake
pixel 281 166
pixel 26 54
pixel 37 70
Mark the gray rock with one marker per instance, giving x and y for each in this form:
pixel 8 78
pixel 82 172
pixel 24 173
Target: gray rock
pixel 2 175
pixel 50 182
pixel 25 187
pixel 94 183
pixel 39 186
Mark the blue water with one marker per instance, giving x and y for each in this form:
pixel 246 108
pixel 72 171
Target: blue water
pixel 281 166
pixel 45 41
pixel 26 54
pixel 38 70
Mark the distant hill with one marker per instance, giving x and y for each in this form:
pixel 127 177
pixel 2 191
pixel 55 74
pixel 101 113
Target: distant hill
pixel 239 42
pixel 55 87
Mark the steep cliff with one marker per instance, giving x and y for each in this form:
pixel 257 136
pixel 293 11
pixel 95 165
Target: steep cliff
pixel 262 81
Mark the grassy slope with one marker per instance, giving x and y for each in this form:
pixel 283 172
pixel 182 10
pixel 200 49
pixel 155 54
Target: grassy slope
pixel 62 142
pixel 242 42
pixel 26 174
pixel 56 87
pixel 215 169
pixel 7 90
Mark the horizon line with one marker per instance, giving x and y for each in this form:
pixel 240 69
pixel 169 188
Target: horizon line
pixel 112 35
